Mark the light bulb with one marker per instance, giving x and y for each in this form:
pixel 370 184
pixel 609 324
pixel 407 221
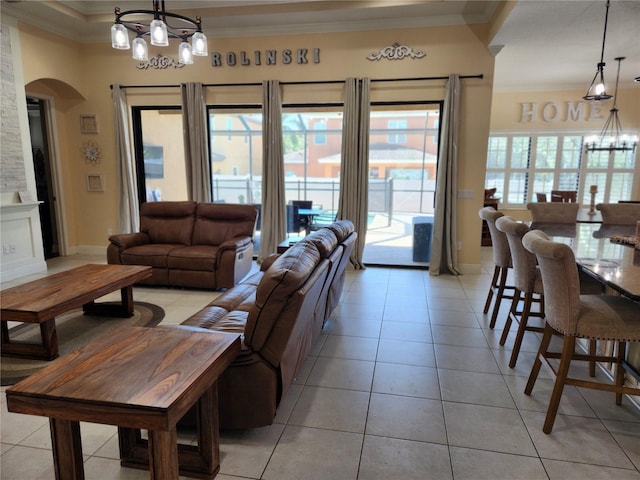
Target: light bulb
pixel 140 50
pixel 159 35
pixel 184 53
pixel 199 41
pixel 119 37
pixel 599 89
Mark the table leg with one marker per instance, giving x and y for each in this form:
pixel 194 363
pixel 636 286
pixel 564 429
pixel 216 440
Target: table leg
pixel 199 461
pixel 67 449
pixel 124 309
pixel 163 454
pixel 204 460
pixel 46 350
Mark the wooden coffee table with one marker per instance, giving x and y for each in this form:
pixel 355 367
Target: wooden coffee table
pixel 135 378
pixel 40 301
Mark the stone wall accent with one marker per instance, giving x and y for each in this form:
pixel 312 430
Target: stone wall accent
pixel 12 172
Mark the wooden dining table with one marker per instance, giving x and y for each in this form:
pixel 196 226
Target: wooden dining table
pixel 600 253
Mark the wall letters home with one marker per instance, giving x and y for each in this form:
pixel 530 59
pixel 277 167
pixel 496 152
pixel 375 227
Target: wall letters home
pixel 300 56
pixel 554 112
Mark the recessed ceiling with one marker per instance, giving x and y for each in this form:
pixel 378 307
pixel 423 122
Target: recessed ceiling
pixel 546 45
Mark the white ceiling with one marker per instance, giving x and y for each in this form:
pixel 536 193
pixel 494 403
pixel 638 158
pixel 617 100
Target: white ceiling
pixel 547 44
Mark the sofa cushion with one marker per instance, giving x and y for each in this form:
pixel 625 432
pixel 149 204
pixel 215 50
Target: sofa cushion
pixel 168 222
pixel 216 223
pixel 287 274
pixel 342 229
pixel 324 240
pixel 154 255
pixel 219 319
pixel 196 257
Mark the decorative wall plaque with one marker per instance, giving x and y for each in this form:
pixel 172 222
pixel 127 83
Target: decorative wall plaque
pixel 396 52
pixel 89 123
pixel 95 182
pixel 91 152
pixel 159 62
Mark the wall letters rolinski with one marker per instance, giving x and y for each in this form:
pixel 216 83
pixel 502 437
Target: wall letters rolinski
pixel 300 56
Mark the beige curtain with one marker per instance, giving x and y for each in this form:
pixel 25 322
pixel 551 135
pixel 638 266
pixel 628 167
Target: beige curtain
pixel 273 224
pixel 128 208
pixel 354 168
pixel 444 252
pixel 196 145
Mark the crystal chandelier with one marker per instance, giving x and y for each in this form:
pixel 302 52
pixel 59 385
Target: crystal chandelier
pixel 159 31
pixel 612 137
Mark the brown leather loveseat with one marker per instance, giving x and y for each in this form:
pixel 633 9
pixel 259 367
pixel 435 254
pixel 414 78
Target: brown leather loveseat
pixel 279 311
pixel 190 244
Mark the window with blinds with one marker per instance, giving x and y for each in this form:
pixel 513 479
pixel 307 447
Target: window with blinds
pixel 519 166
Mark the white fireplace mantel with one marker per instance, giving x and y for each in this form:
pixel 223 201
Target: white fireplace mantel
pixel 21 247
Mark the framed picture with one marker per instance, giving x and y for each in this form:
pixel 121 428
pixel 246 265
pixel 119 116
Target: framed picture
pixel 89 123
pixel 95 182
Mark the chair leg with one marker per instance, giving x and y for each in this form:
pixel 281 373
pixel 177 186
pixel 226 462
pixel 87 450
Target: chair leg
pixel 496 305
pixel 542 351
pixel 512 312
pixel 522 327
pixel 494 283
pixel 593 351
pixel 563 369
pixel 619 373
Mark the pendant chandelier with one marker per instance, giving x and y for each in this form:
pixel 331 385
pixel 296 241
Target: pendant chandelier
pixel 159 31
pixel 597 89
pixel 612 137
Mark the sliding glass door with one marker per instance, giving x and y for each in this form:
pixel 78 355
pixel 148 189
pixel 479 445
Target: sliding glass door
pixel 403 152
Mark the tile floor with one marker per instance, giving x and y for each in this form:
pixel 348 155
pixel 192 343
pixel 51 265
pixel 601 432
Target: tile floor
pixel 407 382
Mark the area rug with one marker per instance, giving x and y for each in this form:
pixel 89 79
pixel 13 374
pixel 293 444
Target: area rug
pixel 74 330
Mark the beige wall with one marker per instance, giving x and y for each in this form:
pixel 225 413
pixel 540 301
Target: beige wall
pixel 85 73
pixel 78 77
pixel 561 111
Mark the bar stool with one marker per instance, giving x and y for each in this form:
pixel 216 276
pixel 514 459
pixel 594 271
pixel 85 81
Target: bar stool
pixel 594 317
pixel 501 260
pixel 527 281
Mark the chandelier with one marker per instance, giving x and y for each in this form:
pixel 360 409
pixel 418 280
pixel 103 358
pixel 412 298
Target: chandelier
pixel 159 31
pixel 597 90
pixel 611 137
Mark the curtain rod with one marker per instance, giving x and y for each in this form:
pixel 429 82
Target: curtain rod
pixel 308 82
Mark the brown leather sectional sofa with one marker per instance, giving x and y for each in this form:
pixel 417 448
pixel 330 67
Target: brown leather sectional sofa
pixel 190 244
pixel 279 311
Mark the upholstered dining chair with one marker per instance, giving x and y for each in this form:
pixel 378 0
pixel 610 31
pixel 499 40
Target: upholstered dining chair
pixel 502 262
pixel 541 197
pixel 594 317
pixel 527 282
pixel 551 212
pixel 564 196
pixel 619 213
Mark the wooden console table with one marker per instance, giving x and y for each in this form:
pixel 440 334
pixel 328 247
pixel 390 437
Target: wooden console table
pixel 40 301
pixel 135 378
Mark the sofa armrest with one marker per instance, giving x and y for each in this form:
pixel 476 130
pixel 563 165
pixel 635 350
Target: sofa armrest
pixel 233 261
pixel 128 240
pixel 237 244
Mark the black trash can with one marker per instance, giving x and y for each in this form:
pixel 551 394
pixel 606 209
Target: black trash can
pixel 422 231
